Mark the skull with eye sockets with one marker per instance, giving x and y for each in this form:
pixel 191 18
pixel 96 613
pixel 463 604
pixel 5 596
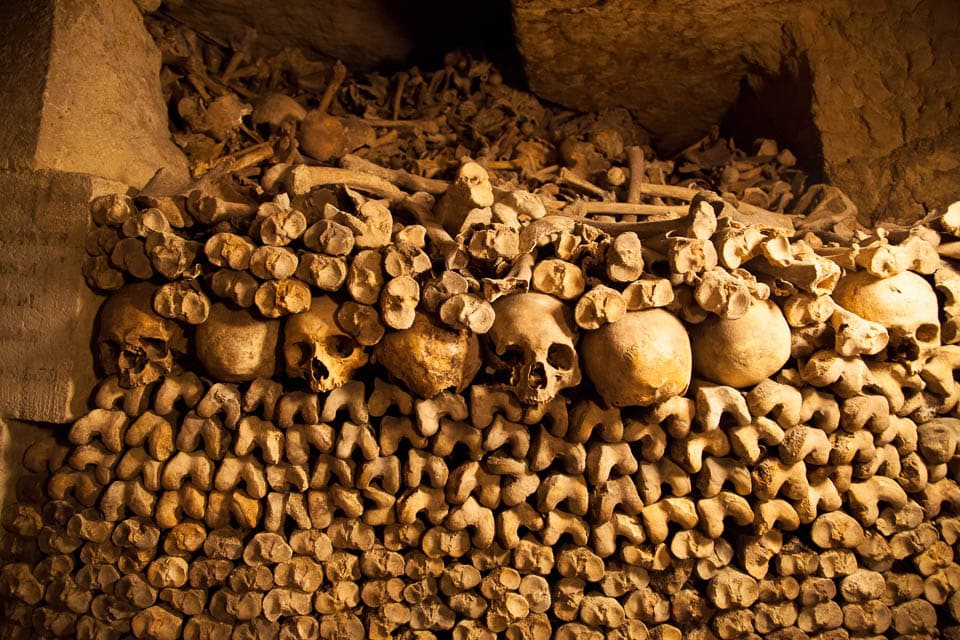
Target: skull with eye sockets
pixel 317 350
pixel 532 346
pixel 134 341
pixel 905 304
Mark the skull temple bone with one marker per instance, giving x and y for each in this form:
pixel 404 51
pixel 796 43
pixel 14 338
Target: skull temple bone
pixel 533 345
pixel 317 350
pixel 135 342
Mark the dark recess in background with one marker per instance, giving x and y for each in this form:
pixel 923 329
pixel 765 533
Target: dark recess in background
pixel 776 106
pixel 780 107
pixel 437 27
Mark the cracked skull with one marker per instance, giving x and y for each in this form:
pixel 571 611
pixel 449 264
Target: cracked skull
pixel 317 350
pixel 430 357
pixel 532 346
pixel 905 304
pixel 134 342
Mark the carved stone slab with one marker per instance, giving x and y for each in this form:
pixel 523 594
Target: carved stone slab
pixel 46 310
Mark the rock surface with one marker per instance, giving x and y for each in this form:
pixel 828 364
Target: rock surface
pixel 47 313
pixel 886 101
pixel 359 32
pixel 878 83
pixel 678 65
pixel 363 34
pixel 85 116
pixel 82 84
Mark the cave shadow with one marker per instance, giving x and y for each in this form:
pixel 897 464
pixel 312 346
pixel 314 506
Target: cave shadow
pixel 779 106
pixel 437 27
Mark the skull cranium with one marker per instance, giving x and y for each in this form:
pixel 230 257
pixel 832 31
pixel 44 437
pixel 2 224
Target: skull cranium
pixel 533 345
pixel 642 358
pixel 134 342
pixel 233 345
pixel 743 351
pixel 430 357
pixel 905 304
pixel 317 350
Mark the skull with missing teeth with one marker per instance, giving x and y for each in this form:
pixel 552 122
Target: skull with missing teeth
pixel 532 345
pixel 134 342
pixel 317 350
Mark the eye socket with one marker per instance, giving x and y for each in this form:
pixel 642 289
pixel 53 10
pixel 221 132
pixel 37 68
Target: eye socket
pixel 508 365
pixel 927 332
pixel 303 353
pixel 154 345
pixel 561 356
pixel 341 346
pixel 512 356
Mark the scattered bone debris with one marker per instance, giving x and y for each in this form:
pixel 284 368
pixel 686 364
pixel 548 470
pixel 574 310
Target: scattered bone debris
pixel 419 357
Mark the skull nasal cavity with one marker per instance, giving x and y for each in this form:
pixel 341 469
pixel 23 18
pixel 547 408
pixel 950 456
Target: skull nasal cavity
pixel 538 377
pixel 319 370
pixel 908 350
pixel 133 358
pixel 561 356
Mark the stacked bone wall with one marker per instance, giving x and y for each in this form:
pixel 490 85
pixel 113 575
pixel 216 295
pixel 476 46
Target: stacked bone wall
pixel 416 356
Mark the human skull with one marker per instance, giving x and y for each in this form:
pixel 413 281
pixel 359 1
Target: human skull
pixel 533 346
pixel 905 304
pixel 317 350
pixel 642 358
pixel 743 351
pixel 236 346
pixel 135 342
pixel 429 358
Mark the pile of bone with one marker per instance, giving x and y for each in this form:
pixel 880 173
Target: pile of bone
pixel 353 411
pixel 227 101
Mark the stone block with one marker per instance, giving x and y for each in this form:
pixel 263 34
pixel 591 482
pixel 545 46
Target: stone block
pixel 47 313
pixel 886 102
pixel 80 91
